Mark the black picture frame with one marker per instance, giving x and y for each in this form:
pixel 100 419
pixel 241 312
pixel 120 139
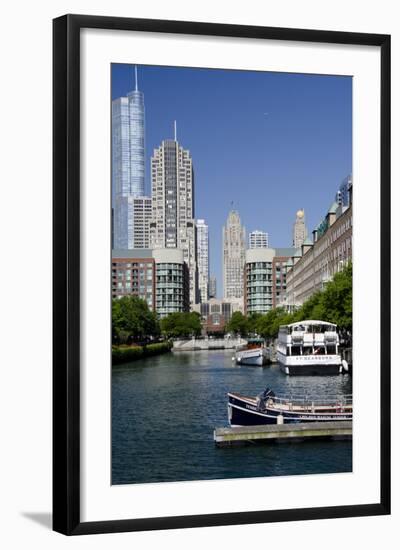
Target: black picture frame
pixel 66 273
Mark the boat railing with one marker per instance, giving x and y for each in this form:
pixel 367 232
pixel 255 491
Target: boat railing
pixel 331 337
pixel 297 337
pixel 307 400
pixel 319 338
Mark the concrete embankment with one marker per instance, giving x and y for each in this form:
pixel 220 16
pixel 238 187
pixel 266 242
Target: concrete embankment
pixel 282 432
pixel 207 344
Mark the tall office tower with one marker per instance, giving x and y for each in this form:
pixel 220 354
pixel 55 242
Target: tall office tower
pixel 142 213
pixel 258 239
pixel 299 229
pixel 172 192
pixel 202 259
pixel 212 287
pixel 128 162
pixel 234 250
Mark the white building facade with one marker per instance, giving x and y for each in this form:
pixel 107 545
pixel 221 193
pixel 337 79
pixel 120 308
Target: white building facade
pixel 142 213
pixel 203 259
pixel 234 250
pixel 299 229
pixel 258 239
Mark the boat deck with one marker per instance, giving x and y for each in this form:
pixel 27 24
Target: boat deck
pixel 296 407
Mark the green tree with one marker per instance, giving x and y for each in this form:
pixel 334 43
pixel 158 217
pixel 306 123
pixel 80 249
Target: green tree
pixel 238 324
pixel 181 324
pixel 268 324
pixel 252 321
pixel 333 304
pixel 132 320
pixel 311 309
pixel 337 299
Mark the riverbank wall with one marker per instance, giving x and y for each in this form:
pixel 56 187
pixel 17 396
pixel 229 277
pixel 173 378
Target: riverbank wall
pixel 208 344
pixel 127 354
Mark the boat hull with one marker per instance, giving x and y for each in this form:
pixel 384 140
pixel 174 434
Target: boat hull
pixel 256 357
pixel 310 364
pixel 242 412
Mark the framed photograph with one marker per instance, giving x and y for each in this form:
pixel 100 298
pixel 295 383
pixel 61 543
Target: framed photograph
pixel 221 274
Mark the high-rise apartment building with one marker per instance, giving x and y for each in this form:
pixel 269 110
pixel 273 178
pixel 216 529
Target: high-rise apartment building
pixel 265 278
pixel 133 273
pixel 172 282
pixel 160 277
pixel 142 213
pixel 258 239
pixel 202 259
pixel 234 250
pixel 299 229
pixel 128 163
pixel 172 191
pixel 212 287
pixel 258 280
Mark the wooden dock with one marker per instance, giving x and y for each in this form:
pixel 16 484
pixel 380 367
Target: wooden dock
pixel 282 432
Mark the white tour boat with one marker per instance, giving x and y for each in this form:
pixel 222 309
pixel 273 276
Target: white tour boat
pixel 254 353
pixel 309 347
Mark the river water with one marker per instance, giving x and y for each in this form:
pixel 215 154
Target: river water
pixel 165 408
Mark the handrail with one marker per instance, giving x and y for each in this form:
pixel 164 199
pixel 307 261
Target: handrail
pixel 308 400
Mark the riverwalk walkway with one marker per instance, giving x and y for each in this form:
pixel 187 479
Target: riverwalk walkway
pixel 197 344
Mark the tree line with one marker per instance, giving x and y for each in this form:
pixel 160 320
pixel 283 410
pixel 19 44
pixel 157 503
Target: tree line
pixel 133 322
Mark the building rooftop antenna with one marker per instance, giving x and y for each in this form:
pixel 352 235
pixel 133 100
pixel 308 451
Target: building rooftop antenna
pixel 136 80
pixel 175 130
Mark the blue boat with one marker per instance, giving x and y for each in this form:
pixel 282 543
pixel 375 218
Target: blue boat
pixel 267 408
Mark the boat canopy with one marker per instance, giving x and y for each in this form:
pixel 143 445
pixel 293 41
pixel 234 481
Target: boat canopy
pixel 310 323
pixel 308 327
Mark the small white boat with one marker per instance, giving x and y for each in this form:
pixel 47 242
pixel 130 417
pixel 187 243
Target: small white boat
pixel 254 353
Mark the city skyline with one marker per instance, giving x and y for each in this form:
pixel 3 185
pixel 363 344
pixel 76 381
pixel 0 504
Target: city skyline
pixel 304 118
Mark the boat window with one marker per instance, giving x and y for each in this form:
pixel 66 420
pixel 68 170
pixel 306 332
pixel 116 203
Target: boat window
pixel 296 350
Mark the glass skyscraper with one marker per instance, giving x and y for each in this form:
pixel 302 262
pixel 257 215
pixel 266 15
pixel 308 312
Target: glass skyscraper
pixel 128 162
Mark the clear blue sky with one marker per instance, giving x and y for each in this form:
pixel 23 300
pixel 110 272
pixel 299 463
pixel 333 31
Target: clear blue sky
pixel 270 142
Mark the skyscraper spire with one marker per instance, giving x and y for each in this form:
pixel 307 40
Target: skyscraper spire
pixel 136 82
pixel 175 130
